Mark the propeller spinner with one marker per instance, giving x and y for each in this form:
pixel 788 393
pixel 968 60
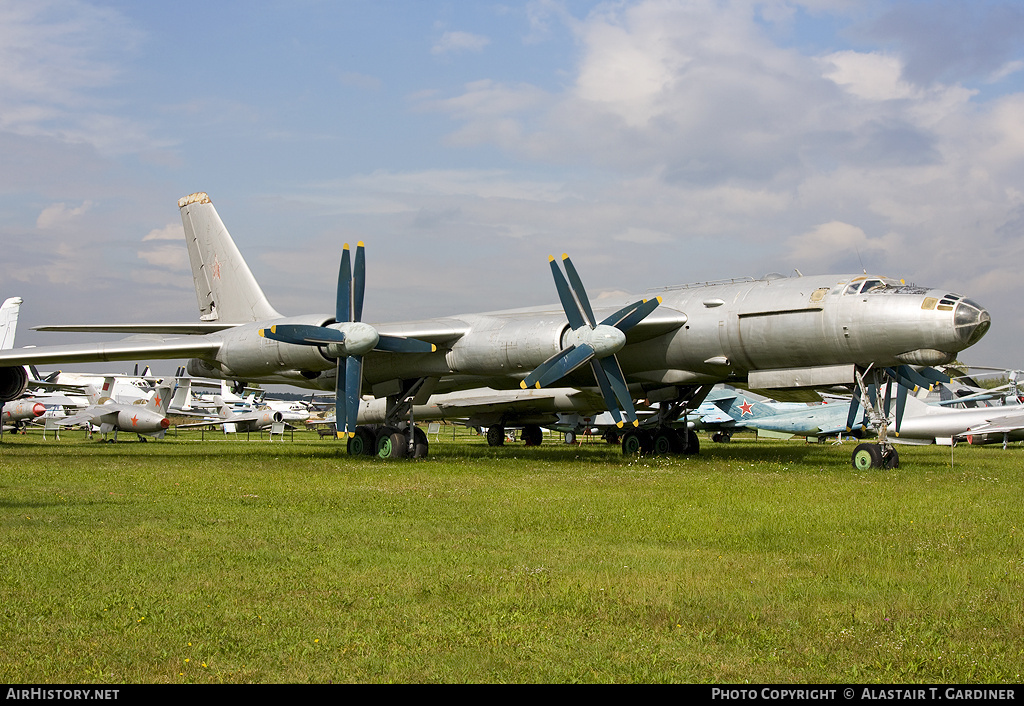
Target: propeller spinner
pixel 347 340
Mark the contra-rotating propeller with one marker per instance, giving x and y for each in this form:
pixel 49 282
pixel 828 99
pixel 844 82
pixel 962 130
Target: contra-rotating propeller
pixel 592 342
pixel 347 340
pixel 906 378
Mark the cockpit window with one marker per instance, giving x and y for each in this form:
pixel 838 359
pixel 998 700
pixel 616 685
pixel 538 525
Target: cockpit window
pixel 863 285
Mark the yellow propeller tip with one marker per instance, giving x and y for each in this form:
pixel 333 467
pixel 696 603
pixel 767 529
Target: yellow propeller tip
pixel 619 424
pixel 565 256
pixel 433 348
pixel 346 247
pixel 360 244
pixel 262 335
pixel 636 422
pixel 273 329
pixel 522 384
pixel 660 300
pixel 538 384
pixel 551 258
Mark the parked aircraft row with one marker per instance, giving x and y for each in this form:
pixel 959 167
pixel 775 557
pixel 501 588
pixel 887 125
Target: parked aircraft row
pixel 669 346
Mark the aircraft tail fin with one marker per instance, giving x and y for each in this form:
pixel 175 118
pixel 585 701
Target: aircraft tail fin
pixel 182 391
pixel 160 400
pixel 740 406
pixel 225 287
pixel 9 321
pixel 104 394
pixel 223 409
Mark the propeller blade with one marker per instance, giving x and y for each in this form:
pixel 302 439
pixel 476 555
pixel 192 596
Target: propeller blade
pixel 569 305
pixel 607 393
pixel 632 314
pixel 343 307
pixel 398 344
pixel 339 402
pixel 579 290
pixel 610 366
pixel 303 334
pixel 933 375
pixel 358 282
pixel 565 364
pixel 851 417
pixel 353 385
pixel 535 375
pixel 901 405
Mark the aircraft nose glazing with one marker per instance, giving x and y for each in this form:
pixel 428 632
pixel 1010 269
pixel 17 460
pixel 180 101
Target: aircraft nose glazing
pixel 970 321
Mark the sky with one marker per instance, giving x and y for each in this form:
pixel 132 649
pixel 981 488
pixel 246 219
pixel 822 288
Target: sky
pixel 657 142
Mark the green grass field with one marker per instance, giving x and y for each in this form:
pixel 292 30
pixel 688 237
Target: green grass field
pixel 256 561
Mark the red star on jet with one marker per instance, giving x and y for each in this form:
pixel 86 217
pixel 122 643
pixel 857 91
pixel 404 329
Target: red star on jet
pixel 745 408
pixel 135 420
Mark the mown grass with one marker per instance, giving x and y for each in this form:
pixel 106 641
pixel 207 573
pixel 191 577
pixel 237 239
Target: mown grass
pixel 236 561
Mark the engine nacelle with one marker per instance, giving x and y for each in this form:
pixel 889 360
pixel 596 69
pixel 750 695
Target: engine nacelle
pixel 13 383
pixel 510 346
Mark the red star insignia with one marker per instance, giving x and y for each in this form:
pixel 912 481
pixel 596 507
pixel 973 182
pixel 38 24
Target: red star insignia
pixel 135 420
pixel 216 267
pixel 745 408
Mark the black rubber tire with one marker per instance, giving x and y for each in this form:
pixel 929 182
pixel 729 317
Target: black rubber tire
pixel 866 456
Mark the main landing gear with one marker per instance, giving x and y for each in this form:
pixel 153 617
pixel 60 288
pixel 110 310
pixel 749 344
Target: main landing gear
pixel 662 437
pixel 660 441
pixel 398 437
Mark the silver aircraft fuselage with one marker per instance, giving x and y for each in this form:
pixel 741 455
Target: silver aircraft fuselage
pixel 782 332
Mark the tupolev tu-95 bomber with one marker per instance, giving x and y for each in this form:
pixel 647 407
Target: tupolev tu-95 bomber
pixel 668 347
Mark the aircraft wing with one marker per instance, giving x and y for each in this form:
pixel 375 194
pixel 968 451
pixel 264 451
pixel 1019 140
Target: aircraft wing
pixel 1001 425
pixel 118 350
pixel 197 328
pixel 91 415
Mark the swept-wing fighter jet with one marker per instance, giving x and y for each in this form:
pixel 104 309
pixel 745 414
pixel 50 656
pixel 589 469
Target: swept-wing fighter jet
pixel 668 347
pixel 925 423
pixel 228 419
pixel 149 419
pixel 819 420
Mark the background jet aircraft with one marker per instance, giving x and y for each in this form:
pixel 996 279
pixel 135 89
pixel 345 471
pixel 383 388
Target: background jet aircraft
pixel 149 419
pixel 775 332
pixel 230 420
pixel 822 419
pixel 925 423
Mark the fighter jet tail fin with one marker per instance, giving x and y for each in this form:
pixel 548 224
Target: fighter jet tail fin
pixel 225 287
pixel 9 321
pixel 160 400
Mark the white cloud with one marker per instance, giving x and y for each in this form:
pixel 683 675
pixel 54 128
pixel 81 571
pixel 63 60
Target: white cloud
pixel 451 42
pixel 872 76
pixel 60 214
pixel 171 231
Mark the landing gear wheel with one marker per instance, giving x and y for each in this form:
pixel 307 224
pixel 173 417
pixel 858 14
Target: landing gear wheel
pixel 363 443
pixel 892 460
pixel 496 435
pixel 420 444
pixel 570 437
pixel 532 435
pixel 721 437
pixel 391 443
pixel 665 441
pixel 692 443
pixel 636 442
pixel 867 456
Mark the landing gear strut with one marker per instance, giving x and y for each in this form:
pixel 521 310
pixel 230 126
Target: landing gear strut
pixel 883 454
